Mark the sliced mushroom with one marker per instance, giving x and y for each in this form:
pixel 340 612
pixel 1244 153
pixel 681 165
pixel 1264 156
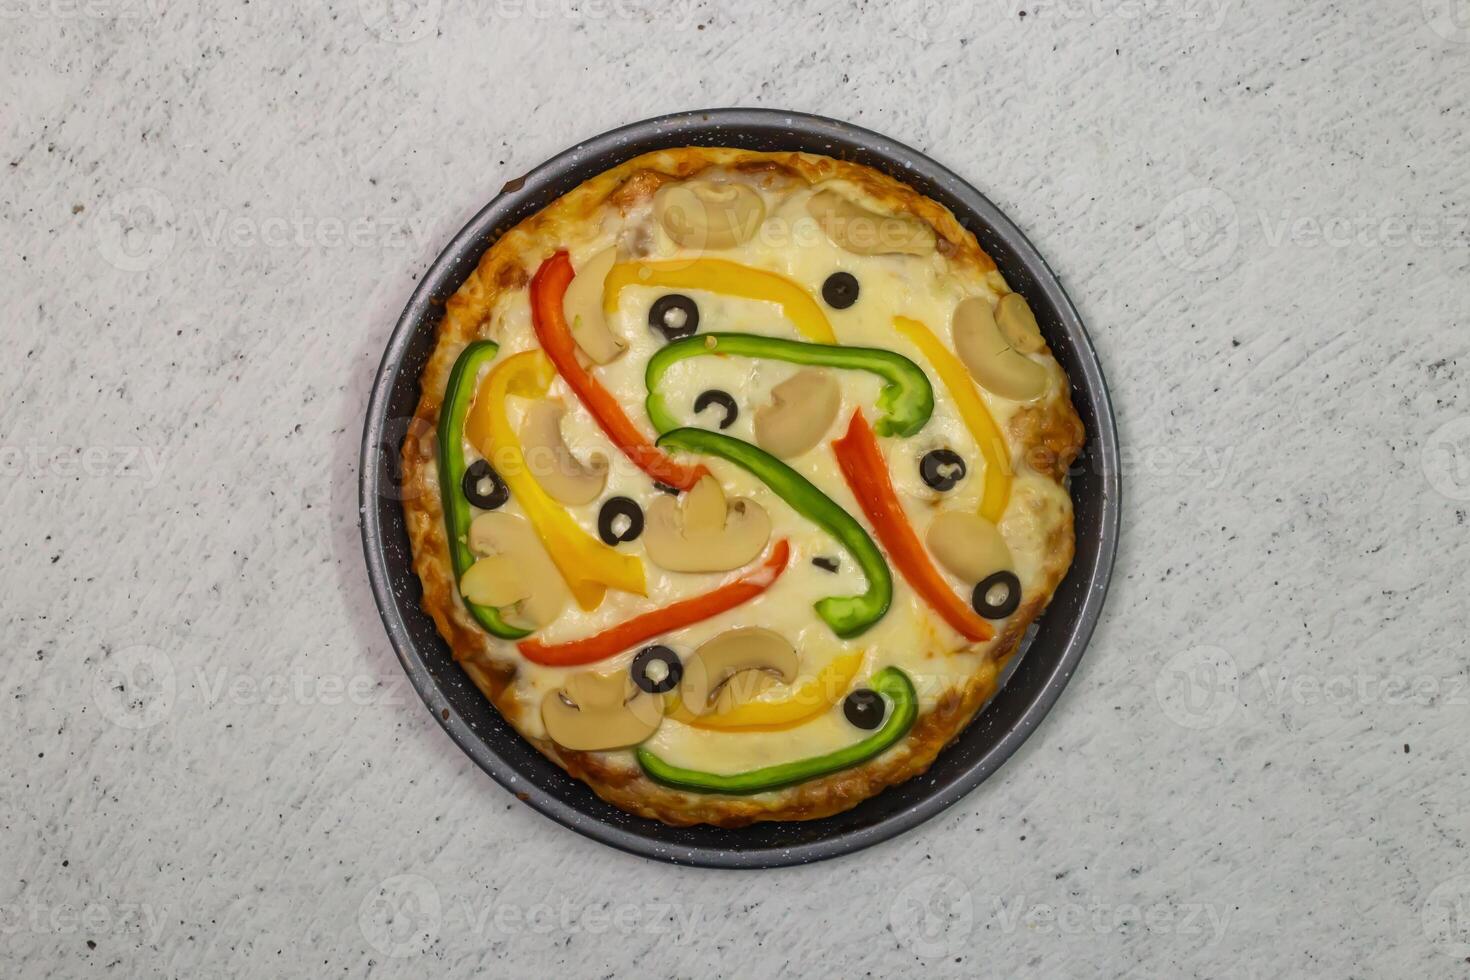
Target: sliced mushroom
pixel 801 411
pixel 582 306
pixel 993 362
pixel 593 712
pixel 856 229
pixel 515 573
pixel 968 545
pixel 493 581
pixel 715 676
pixel 560 474
pixel 706 534
pixel 1018 324
pixel 742 687
pixel 700 214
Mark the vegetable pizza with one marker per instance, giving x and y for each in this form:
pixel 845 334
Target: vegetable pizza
pixel 739 479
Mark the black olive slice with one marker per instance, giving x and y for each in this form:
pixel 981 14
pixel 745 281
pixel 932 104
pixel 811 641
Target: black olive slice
pixel 721 398
pixel 671 491
pixel 840 290
pixel 672 674
pixel 825 563
pixel 476 475
pixel 864 709
pixel 621 519
pixel 675 316
pixel 982 602
pixel 942 469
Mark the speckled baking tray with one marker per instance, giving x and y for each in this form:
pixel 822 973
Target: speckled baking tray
pixel 1053 647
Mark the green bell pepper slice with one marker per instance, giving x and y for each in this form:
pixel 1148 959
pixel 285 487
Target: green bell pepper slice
pixel 892 683
pixel 847 615
pixel 906 400
pixel 458 394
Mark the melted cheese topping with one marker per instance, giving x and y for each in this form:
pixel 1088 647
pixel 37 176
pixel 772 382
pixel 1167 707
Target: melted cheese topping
pixel 911 636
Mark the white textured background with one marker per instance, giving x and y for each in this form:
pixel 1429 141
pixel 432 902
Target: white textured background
pixel 212 214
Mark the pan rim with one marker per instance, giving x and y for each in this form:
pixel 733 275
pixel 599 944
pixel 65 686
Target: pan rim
pixel 707 127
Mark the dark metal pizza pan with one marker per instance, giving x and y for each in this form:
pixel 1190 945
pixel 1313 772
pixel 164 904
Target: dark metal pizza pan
pixel 1034 683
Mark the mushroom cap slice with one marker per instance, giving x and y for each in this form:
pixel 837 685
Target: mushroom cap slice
pixel 594 712
pixel 992 361
pixel 801 411
pixel 706 533
pixel 493 581
pixel 745 686
pixel 582 307
pixel 968 546
pixel 1018 324
pixel 855 229
pixel 711 680
pixel 700 214
pixel 552 464
pixel 515 573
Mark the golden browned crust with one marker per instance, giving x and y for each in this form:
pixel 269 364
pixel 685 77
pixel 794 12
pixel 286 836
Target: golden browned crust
pixel 1050 437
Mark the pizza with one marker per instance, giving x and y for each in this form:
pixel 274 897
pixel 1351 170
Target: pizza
pixel 738 478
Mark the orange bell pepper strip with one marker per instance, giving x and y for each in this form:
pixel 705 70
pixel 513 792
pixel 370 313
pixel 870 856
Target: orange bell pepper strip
pixel 646 626
pixel 804 703
pixel 866 473
pixel 728 279
pixel 548 288
pixel 973 413
pixel 589 566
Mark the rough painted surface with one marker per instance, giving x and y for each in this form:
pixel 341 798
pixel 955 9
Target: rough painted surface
pixel 213 214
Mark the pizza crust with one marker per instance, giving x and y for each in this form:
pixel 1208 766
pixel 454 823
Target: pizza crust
pixel 1047 436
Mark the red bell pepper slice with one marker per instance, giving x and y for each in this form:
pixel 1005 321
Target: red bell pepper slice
pixel 867 476
pixel 548 288
pixel 630 633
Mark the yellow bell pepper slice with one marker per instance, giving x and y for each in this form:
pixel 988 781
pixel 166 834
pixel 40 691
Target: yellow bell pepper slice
pixel 804 703
pixel 976 416
pixel 727 278
pixel 589 566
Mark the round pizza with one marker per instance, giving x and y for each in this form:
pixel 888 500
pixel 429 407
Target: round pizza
pixel 739 479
